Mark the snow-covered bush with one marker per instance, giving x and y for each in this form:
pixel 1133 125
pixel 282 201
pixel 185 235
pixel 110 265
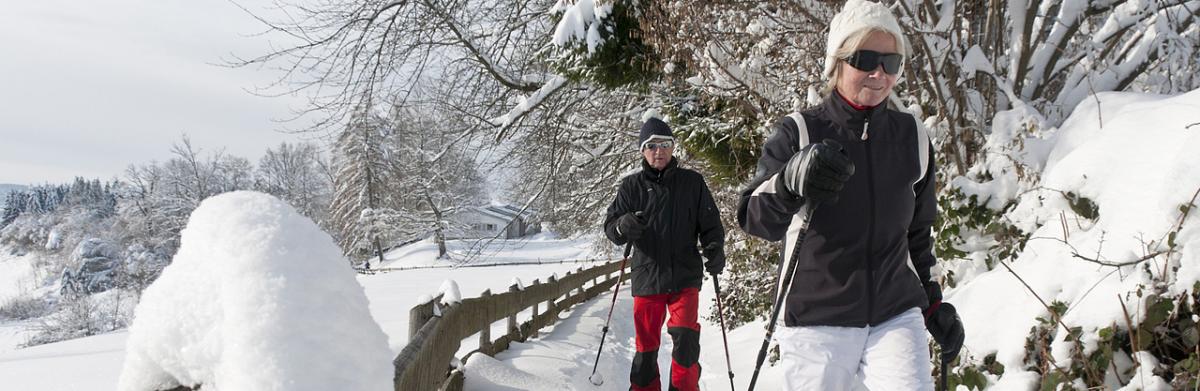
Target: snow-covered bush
pixel 257 298
pixel 24 306
pixel 972 229
pixel 1103 289
pixel 99 264
pixel 78 316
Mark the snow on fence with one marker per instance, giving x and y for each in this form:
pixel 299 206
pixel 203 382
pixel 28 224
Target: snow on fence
pixel 435 331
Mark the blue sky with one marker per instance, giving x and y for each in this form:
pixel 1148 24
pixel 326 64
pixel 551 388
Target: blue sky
pixel 89 87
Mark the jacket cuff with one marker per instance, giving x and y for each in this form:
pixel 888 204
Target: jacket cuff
pixel 932 309
pixel 781 188
pixel 933 292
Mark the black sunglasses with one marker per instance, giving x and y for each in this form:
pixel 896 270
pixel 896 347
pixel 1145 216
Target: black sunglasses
pixel 868 60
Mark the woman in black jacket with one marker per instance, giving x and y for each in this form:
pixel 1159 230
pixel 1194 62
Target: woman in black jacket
pixel 862 295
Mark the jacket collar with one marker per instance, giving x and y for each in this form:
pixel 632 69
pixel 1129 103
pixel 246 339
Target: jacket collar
pixel 652 174
pixel 847 118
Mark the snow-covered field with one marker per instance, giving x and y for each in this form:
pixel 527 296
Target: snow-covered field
pixel 95 362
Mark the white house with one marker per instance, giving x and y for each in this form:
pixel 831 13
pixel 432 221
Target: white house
pixel 498 221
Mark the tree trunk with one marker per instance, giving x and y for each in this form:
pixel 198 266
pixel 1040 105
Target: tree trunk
pixel 441 242
pixel 379 252
pixel 438 235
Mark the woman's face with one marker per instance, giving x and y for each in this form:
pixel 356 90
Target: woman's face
pixel 868 88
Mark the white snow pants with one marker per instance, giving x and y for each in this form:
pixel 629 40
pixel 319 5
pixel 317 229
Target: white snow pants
pixel 893 355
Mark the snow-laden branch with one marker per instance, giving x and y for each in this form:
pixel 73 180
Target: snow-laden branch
pixel 525 105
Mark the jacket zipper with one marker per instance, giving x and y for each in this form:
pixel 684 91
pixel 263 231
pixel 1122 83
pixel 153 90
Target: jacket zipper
pixel 870 225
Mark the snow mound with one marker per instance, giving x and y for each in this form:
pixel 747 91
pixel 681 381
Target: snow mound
pixel 450 292
pixel 1134 158
pixel 257 298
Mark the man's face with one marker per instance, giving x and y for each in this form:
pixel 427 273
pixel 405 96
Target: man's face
pixel 658 152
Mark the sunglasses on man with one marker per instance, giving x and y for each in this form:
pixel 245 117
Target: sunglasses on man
pixel 663 144
pixel 868 60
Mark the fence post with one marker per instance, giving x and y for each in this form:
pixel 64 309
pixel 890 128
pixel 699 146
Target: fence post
pixel 550 307
pixel 581 283
pixel 419 314
pixel 533 331
pixel 514 333
pixel 485 333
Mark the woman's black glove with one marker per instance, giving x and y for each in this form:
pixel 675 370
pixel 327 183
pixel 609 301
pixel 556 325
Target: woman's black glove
pixel 818 172
pixel 631 225
pixel 941 319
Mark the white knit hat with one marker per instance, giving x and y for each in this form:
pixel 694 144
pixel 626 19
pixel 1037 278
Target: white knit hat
pixel 855 16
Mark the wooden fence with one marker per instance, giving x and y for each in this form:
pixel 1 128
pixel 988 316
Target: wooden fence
pixel 435 331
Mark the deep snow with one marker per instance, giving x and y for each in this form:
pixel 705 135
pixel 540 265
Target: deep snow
pixel 1131 154
pixel 257 298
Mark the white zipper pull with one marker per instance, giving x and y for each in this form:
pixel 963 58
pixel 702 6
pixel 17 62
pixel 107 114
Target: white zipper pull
pixel 866 124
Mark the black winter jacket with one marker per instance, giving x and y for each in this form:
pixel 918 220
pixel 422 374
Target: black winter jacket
pixel 864 256
pixel 680 210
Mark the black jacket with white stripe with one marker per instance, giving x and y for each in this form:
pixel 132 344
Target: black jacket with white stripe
pixel 681 214
pixel 864 256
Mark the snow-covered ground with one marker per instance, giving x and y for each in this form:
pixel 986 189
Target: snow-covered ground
pixel 1136 158
pixel 16 274
pixel 97 360
pixel 562 357
pixel 392 294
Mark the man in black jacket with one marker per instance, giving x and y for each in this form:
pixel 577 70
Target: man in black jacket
pixel 663 210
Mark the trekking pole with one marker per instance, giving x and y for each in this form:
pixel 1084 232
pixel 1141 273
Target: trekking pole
pixel 724 338
pixel 787 282
pixel 595 378
pixel 945 363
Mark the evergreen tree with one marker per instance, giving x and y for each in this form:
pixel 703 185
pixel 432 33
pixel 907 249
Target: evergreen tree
pixel 359 200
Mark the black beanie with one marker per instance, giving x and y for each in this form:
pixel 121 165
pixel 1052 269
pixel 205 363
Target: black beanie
pixel 654 127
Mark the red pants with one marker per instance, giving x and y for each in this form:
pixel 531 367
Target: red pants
pixel 649 312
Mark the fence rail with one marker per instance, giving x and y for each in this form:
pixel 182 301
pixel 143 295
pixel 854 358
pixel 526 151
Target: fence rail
pixel 436 332
pixel 470 265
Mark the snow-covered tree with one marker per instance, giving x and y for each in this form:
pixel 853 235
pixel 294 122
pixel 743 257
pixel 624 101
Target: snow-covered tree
pixel 560 86
pixel 974 59
pixel 361 158
pixel 292 172
pixel 436 176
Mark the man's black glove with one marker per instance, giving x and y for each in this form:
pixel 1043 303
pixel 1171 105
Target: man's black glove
pixel 941 319
pixel 818 172
pixel 715 253
pixel 631 225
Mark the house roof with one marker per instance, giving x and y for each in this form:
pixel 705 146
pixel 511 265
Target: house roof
pixel 513 211
pixel 493 214
pixel 505 213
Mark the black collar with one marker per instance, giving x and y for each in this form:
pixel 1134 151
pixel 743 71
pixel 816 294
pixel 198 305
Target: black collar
pixel 652 174
pixel 847 118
